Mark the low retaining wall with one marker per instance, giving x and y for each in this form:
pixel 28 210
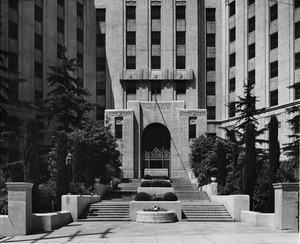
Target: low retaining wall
pixel 258 219
pixel 76 204
pixel 156 217
pixel 155 190
pixel 167 205
pixel 234 204
pixel 50 221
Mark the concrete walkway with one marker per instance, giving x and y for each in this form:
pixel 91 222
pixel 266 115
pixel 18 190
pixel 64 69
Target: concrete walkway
pixel 180 232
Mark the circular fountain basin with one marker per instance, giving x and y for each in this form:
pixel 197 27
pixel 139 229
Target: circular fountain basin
pixel 156 216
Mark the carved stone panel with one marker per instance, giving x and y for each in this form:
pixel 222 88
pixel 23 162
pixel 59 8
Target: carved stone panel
pixel 16 196
pixel 192 113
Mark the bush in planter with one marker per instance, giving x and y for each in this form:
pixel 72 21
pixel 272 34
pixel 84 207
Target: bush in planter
pixel 156 197
pixel 170 196
pixel 146 184
pixel 147 177
pixel 156 183
pixel 166 184
pixel 142 196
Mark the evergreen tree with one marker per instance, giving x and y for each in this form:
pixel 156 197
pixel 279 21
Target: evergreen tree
pixel 65 102
pixel 274 154
pixel 77 166
pixel 221 164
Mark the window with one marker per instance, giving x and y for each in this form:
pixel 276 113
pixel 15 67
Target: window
pixel 180 62
pixel 210 14
pixel 251 24
pixel 155 12
pixel 100 88
pixel 38 70
pixel 79 9
pixel 211 40
pixel 38 13
pixel 130 38
pixel 232 8
pixel 155 62
pixel 192 127
pixel 251 77
pixel 297 3
pixel 100 15
pixel 180 12
pixel 155 38
pixel 297 29
pixel 100 113
pixel 232 34
pixel 231 109
pixel 118 127
pixel 12 30
pixel 13 61
pixel 100 39
pixel 180 38
pixel 130 87
pixel 274 69
pixel 38 42
pixel 210 88
pixel 38 95
pixel 60 50
pixel 180 88
pixel 297 60
pixel 297 90
pixel 130 12
pixel 274 12
pixel 80 60
pixel 274 40
pixel 79 35
pixel 155 87
pixel 60 25
pixel 210 64
pixel 130 62
pixel 232 60
pixel 100 64
pixel 250 2
pixel 211 112
pixel 251 51
pixel 232 85
pixel 273 98
pixel 13 4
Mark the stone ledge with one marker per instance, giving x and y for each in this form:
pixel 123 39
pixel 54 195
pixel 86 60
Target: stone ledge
pixel 258 219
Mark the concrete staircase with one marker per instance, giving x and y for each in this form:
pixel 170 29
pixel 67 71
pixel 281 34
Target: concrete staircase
pixel 205 212
pixel 188 192
pixel 106 211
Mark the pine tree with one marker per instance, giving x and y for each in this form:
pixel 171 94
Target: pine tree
pixel 65 102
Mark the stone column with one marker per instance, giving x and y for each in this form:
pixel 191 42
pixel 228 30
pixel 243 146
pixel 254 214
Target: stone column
pixel 286 206
pixel 20 206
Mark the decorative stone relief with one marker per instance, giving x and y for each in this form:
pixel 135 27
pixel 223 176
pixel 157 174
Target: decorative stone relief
pixel 162 105
pixel 192 113
pixel 119 113
pixel 16 196
pixel 130 3
pixel 180 2
pixel 155 3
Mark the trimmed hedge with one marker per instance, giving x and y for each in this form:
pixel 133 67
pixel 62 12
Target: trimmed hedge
pixel 147 177
pixel 170 196
pixel 166 184
pixel 156 183
pixel 142 196
pixel 146 184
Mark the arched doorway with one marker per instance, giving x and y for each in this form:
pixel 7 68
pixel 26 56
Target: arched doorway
pixel 156 147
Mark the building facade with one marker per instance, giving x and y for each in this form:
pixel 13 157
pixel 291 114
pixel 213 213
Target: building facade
pixel 164 71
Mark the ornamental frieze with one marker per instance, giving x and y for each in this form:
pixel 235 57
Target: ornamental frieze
pixel 162 105
pixel 119 113
pixel 180 2
pixel 16 196
pixel 192 113
pixel 130 3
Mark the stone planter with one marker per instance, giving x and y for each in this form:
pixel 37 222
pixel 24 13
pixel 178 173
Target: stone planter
pixel 155 216
pixel 155 190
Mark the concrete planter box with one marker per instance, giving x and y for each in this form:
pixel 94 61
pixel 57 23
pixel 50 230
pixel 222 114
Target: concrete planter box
pixel 155 217
pixel 155 190
pixel 258 219
pixel 136 206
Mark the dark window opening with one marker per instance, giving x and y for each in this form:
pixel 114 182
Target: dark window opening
pixel 79 9
pixel 251 77
pixel 100 15
pixel 297 3
pixel 38 95
pixel 118 127
pixel 274 69
pixel 12 30
pixel 211 40
pixel 155 87
pixel 13 4
pixel 232 85
pixel 232 34
pixel 155 62
pixel 180 62
pixel 251 24
pixel 232 60
pixel 100 113
pixel 155 38
pixel 274 12
pixel 192 128
pixel 297 60
pixel 130 38
pixel 297 29
pixel 79 35
pixel 210 14
pixel 130 87
pixel 231 109
pixel 61 2
pixel 38 70
pixel 210 64
pixel 210 88
pixel 130 12
pixel 211 112
pixel 100 64
pixel 297 90
pixel 251 51
pixel 38 13
pixel 273 98
pixel 180 38
pixel 38 42
pixel 60 49
pixel 155 12
pixel 274 41
pixel 100 88
pixel 60 25
pixel 80 60
pixel 232 8
pixel 180 12
pixel 13 61
pixel 250 2
pixel 180 88
pixel 100 40
pixel 130 62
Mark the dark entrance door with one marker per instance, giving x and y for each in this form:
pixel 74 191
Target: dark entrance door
pixel 156 147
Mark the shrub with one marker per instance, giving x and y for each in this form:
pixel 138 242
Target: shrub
pixel 78 189
pixel 156 197
pixel 156 183
pixel 142 196
pixel 165 177
pixel 170 196
pixel 166 184
pixel 146 184
pixel 147 177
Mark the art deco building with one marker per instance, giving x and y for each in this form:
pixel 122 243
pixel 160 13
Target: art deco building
pixel 164 71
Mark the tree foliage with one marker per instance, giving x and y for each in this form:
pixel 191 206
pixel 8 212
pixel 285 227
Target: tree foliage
pixel 65 102
pixel 221 164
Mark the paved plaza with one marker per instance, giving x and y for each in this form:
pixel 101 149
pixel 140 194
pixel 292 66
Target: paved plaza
pixel 180 232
